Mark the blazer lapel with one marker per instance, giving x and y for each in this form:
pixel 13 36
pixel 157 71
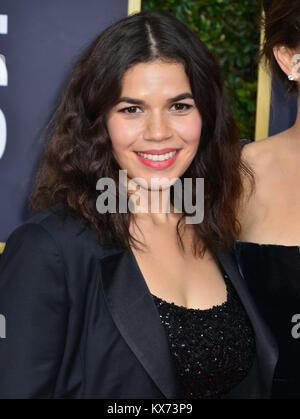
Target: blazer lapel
pixel 136 316
pixel 267 349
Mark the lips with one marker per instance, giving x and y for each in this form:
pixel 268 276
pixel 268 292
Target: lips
pixel 162 151
pixel 162 164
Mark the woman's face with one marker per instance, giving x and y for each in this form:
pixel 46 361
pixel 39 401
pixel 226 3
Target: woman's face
pixel 157 117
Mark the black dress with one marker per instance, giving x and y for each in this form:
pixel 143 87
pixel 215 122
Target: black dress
pixel 212 349
pixel 272 273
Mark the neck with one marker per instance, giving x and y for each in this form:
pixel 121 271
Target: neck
pixel 154 206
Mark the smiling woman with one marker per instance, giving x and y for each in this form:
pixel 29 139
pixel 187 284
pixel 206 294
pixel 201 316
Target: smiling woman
pixel 94 315
pixel 156 134
pixel 94 123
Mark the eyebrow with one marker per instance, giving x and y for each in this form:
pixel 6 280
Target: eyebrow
pixel 142 102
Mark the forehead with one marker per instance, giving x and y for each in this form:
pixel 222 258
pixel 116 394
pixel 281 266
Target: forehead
pixel 157 76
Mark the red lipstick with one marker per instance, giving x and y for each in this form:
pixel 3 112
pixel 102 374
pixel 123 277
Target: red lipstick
pixel 159 164
pixel 162 151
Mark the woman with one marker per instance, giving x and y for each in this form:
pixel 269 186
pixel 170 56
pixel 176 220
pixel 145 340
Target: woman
pixel 136 304
pixel 269 246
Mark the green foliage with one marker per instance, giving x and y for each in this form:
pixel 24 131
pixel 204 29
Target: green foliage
pixel 230 29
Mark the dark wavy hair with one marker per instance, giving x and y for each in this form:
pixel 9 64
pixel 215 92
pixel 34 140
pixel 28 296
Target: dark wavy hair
pixel 79 151
pixel 281 25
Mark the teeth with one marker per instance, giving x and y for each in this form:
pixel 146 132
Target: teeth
pixel 156 157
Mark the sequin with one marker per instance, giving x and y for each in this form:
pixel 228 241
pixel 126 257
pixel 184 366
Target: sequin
pixel 212 349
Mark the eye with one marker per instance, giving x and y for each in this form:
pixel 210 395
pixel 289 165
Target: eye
pixel 129 108
pixel 183 104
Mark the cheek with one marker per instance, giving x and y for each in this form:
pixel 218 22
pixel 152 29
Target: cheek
pixel 120 134
pixel 191 132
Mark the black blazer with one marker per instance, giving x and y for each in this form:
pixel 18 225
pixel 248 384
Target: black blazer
pixel 81 323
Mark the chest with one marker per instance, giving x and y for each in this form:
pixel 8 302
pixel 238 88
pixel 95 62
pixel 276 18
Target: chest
pixel 182 278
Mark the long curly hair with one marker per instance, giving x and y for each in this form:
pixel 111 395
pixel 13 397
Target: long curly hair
pixel 79 149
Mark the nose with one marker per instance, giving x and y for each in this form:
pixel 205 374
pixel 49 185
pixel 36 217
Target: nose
pixel 157 127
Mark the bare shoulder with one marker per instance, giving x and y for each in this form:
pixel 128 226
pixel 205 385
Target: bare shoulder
pixel 259 155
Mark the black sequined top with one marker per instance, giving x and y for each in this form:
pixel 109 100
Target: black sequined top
pixel 213 349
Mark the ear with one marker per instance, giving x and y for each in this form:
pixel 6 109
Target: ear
pixel 286 59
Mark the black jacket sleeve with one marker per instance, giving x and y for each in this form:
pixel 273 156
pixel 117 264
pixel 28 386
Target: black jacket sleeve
pixel 34 305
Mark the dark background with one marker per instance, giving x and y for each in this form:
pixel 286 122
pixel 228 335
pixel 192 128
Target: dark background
pixel 44 39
